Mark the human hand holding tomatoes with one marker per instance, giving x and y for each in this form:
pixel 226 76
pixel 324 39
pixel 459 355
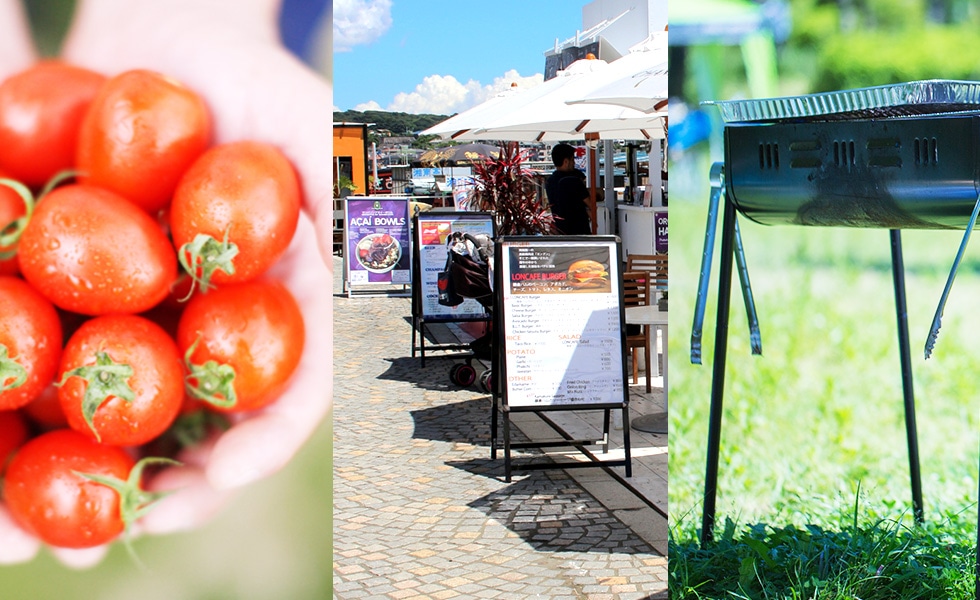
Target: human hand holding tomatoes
pixel 255 90
pixel 230 53
pixel 16 47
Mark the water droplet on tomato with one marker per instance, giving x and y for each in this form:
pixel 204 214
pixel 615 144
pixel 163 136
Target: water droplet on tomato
pixel 54 244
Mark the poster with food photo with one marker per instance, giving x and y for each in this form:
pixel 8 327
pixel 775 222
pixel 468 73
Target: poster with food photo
pixel 540 269
pixel 433 231
pixel 378 249
pixel 563 339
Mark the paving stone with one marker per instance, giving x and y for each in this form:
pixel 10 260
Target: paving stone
pixel 420 508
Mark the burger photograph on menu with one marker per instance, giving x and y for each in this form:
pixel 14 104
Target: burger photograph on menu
pixel 587 274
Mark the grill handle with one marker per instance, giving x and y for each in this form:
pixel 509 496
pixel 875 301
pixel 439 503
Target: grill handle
pixel 717 178
pixel 938 317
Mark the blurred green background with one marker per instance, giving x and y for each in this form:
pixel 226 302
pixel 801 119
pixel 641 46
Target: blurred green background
pixel 272 541
pixel 819 415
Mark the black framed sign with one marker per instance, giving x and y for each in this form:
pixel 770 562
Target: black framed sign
pixel 432 230
pixel 431 233
pixel 560 334
pixel 377 242
pixel 563 321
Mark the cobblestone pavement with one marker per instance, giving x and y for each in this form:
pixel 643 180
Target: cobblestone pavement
pixel 420 509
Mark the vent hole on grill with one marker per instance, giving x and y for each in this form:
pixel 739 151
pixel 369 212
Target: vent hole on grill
pixel 768 156
pixel 926 151
pixel 844 154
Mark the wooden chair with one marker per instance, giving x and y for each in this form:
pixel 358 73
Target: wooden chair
pixel 636 292
pixel 338 226
pixel 655 264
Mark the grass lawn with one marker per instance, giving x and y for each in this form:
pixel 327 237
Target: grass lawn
pixel 814 497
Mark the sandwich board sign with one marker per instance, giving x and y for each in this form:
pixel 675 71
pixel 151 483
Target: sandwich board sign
pixel 377 242
pixel 561 335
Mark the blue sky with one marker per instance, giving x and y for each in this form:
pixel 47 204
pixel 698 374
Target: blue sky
pixel 442 56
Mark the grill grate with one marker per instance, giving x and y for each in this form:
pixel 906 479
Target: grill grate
pixel 917 98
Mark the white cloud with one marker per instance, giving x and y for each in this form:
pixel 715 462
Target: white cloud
pixel 359 22
pixel 512 77
pixel 372 105
pixel 445 95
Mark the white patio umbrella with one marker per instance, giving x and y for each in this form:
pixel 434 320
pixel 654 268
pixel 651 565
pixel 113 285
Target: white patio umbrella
pixel 638 79
pixel 643 89
pixel 459 125
pixel 543 114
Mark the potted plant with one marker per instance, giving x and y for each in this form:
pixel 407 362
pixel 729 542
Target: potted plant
pixel 662 301
pixel 344 187
pixel 505 188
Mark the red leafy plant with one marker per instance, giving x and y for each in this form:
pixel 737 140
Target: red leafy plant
pixel 508 190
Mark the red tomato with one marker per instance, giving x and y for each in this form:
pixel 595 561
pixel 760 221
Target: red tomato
pixel 11 208
pixel 48 497
pixel 245 192
pixel 121 380
pixel 30 343
pixel 140 134
pixel 253 329
pixel 45 410
pixel 90 251
pixel 41 112
pixel 13 433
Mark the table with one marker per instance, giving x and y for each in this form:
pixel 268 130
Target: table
pixel 651 316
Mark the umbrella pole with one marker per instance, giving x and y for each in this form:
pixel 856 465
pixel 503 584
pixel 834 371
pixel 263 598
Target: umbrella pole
pixel 593 176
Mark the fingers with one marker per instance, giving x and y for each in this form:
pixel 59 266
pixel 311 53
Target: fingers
pixel 191 503
pixel 81 558
pixel 230 54
pixel 16 48
pixel 16 545
pixel 263 443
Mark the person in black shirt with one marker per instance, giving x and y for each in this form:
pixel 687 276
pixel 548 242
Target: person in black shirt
pixel 567 193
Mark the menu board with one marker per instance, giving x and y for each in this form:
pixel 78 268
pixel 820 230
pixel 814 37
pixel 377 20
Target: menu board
pixel 377 239
pixel 660 231
pixel 431 232
pixel 562 337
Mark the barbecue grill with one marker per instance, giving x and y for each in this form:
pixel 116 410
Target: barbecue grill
pixel 901 156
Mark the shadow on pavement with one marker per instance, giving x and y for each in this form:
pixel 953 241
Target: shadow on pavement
pixel 552 513
pixel 434 376
pixel 466 422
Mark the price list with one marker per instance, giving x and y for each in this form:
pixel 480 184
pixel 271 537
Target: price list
pixel 562 330
pixel 431 236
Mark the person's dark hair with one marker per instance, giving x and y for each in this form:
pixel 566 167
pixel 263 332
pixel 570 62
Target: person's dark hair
pixel 560 152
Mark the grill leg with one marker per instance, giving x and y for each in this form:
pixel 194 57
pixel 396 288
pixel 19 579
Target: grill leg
pixel 718 375
pixel 755 337
pixel 717 190
pixel 976 569
pixel 898 275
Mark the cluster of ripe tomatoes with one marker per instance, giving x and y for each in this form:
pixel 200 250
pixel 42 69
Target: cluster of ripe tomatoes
pixel 133 288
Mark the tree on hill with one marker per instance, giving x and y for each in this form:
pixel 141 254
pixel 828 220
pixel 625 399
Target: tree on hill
pixel 395 122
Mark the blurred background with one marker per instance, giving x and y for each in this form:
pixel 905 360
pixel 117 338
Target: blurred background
pixel 273 540
pixel 819 416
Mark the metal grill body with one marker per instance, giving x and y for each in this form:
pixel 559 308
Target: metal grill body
pixel 896 157
pixel 904 173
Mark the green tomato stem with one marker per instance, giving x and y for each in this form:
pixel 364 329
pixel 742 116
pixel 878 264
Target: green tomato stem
pixel 134 501
pixel 205 255
pixel 12 373
pixel 104 379
pixel 212 382
pixel 11 232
